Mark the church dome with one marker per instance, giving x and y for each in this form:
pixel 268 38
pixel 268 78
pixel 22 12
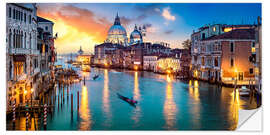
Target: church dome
pixel 135 36
pixel 117 33
pixel 117 30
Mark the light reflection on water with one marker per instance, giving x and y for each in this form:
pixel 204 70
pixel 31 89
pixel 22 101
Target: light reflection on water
pixel 169 105
pixel 85 113
pixel 136 96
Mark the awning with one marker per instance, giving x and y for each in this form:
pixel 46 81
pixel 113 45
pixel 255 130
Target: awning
pixel 19 58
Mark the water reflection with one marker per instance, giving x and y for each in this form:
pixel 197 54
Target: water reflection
pixel 137 96
pixel 85 115
pixel 195 109
pixel 106 94
pixel 169 108
pixel 231 97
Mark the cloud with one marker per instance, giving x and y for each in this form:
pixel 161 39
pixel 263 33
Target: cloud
pixel 69 20
pixel 169 31
pixel 167 14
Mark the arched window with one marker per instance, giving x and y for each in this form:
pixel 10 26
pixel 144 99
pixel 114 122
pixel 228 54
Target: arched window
pixel 14 38
pixel 30 42
pixel 9 39
pixel 21 39
pixel 25 40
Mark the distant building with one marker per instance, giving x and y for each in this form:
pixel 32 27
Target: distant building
pixel 80 52
pixel 150 62
pixel 84 59
pixel 168 64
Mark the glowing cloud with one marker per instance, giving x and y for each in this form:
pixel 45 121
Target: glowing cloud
pixel 75 26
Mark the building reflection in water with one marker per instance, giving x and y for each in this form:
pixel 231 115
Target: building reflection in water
pixel 106 101
pixel 137 96
pixel 195 109
pixel 85 123
pixel 169 108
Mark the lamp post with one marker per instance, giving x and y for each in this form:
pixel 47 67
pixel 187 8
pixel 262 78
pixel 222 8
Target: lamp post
pixel 32 90
pixel 25 93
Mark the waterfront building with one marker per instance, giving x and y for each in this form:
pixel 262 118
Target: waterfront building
pixel 168 64
pixel 80 52
pixel 104 53
pixel 257 55
pixel 150 62
pixel 223 57
pixel 84 59
pixel 22 56
pixel 185 61
pixel 47 54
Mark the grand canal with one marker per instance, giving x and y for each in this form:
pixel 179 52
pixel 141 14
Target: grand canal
pixel 163 103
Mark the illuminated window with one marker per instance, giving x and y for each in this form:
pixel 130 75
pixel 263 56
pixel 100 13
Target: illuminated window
pixel 214 29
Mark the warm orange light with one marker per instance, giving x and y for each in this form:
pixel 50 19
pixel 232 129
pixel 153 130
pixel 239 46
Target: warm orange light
pixel 235 70
pixel 135 67
pixel 25 92
pixel 32 90
pixel 168 71
pixel 253 49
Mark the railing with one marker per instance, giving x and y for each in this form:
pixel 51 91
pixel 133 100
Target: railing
pixel 35 52
pixel 21 77
pixel 19 51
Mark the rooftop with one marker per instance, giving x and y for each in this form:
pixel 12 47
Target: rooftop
pixel 235 34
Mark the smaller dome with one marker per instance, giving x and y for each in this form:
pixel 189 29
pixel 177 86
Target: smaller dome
pixel 135 36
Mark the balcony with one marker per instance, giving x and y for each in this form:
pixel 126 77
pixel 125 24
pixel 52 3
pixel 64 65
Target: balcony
pixel 19 51
pixel 36 70
pixel 35 52
pixel 21 77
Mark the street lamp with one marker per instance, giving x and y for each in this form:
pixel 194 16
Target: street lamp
pixel 25 93
pixel 135 67
pixel 32 90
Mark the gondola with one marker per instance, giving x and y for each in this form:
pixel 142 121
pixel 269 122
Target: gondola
pixel 95 77
pixel 130 101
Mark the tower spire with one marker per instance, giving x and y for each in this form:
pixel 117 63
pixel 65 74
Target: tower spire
pixel 117 20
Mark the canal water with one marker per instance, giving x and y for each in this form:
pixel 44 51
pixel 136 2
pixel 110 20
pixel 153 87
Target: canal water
pixel 163 103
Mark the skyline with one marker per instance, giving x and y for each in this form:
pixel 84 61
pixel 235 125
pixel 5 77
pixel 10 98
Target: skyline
pixel 86 24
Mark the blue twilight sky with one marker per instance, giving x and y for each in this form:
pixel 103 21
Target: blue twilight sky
pixel 166 22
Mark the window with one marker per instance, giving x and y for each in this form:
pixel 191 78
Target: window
pixel 203 36
pixel 251 71
pixel 216 61
pixel 203 61
pixel 24 17
pixel 9 12
pixel 46 28
pixel 232 62
pixel 214 29
pixel 13 13
pixel 232 47
pixel 30 18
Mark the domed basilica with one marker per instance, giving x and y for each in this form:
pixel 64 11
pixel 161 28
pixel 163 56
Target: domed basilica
pixel 117 34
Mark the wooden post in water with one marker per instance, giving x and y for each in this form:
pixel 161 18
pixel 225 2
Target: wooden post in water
pixel 78 100
pixel 71 103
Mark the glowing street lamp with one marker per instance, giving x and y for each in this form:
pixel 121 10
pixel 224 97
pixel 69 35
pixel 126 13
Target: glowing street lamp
pixel 135 67
pixel 168 71
pixel 32 90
